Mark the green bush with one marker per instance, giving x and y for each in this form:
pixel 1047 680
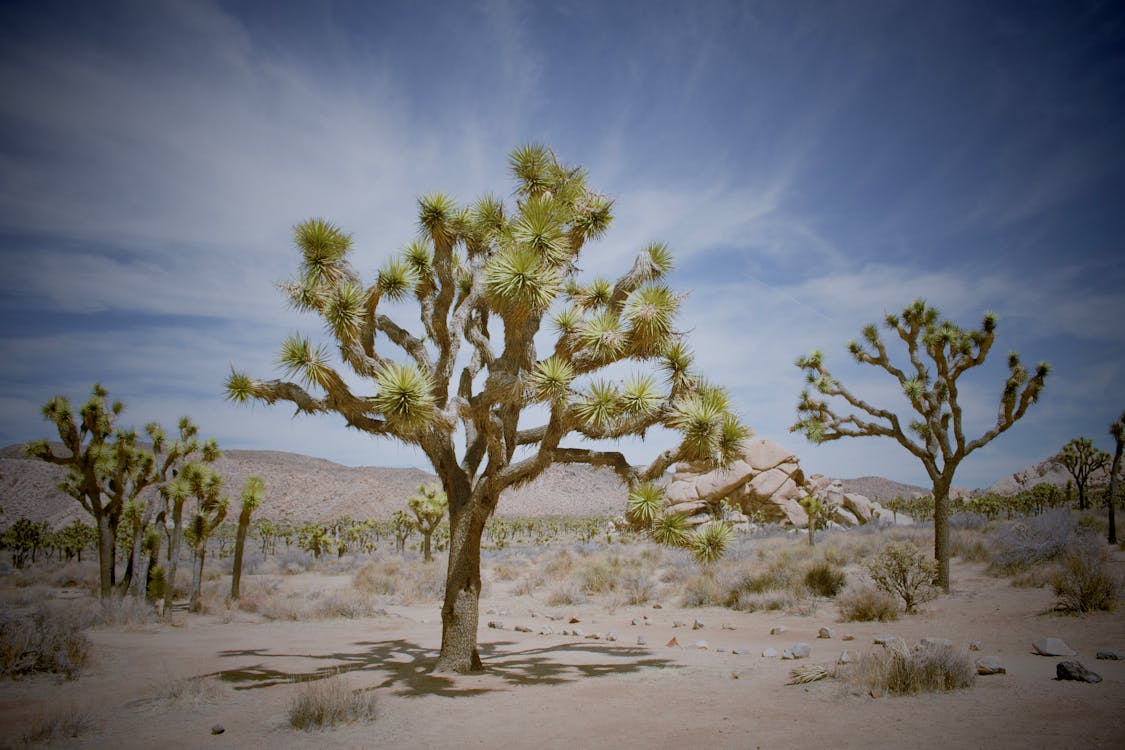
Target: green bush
pixel 825 579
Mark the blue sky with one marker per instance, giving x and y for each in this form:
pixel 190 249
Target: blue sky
pixel 813 166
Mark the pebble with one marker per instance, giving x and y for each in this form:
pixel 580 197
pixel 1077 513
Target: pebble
pixel 218 729
pixel 1111 653
pixel 769 652
pixel 825 633
pixel 697 625
pixel 778 630
pixel 990 665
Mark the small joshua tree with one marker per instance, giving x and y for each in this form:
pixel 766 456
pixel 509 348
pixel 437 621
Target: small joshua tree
pixel 938 354
pixel 206 487
pixel 485 279
pixel 253 492
pixel 819 513
pixel 1117 430
pixel 402 526
pixel 429 506
pixel 1081 460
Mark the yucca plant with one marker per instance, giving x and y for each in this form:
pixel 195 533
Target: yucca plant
pixel 486 277
pixel 709 542
pixel 671 530
pixel 645 502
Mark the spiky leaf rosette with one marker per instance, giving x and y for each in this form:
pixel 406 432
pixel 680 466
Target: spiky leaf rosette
pixel 646 500
pixel 640 396
pixel 437 218
pixel 533 165
pixel 699 420
pixel 323 247
pixel 604 336
pixel 709 542
pixel 551 379
pixel 600 404
pixel 396 279
pixel 301 359
pixel 670 529
pixel 518 278
pixel 539 227
pixel 343 311
pixel 676 363
pixel 650 310
pixel 253 492
pixel 405 397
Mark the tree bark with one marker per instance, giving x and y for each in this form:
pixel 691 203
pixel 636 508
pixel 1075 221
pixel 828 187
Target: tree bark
pixel 196 604
pixel 236 573
pixel 941 532
pixel 107 549
pixel 426 554
pixel 462 591
pixel 173 556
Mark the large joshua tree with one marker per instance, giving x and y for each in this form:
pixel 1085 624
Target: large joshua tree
pixel 1117 430
pixel 1082 460
pixel 483 368
pixel 938 354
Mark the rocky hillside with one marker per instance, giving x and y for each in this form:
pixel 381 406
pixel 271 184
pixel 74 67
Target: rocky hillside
pixel 302 488
pixel 882 489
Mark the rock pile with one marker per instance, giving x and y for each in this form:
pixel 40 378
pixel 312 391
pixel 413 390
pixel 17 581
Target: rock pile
pixel 767 483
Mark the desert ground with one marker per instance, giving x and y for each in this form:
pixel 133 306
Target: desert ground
pixel 672 676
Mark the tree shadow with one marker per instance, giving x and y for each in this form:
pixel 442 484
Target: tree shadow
pixel 407 666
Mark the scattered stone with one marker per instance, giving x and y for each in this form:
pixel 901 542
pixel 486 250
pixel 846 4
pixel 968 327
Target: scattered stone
pixel 490 611
pixel 1052 647
pixel 797 651
pixel 1073 670
pixel 990 665
pixel 218 729
pixel 734 675
pixel 522 629
pixel 769 653
pixel 657 606
pixel 678 624
pixel 611 636
pixel 885 640
pixel 702 645
pixel 594 636
pixel 634 622
pixel 848 637
pixel 729 626
pixel 573 620
pixel 697 625
pixel 1112 654
pixel 740 651
pixel 495 624
pixel 845 658
pixel 875 693
pixel 672 643
pixel 641 641
pixel 554 618
pixel 975 646
pixel 578 632
pixel 778 629
pixel 826 633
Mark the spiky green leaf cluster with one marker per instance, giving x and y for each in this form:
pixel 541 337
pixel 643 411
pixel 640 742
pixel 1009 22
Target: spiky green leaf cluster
pixel 301 359
pixel 551 379
pixel 671 530
pixel 709 542
pixel 518 278
pixel 600 404
pixel 405 397
pixel 323 246
pixel 644 505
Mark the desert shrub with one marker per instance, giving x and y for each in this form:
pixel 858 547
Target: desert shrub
pixel 969 546
pixel 867 605
pixel 1032 540
pixel 402 583
pixel 60 721
pixel 899 670
pixel 560 565
pixel 41 642
pixel 186 691
pixel 824 579
pixel 565 594
pixel 967 520
pixel 792 601
pixel 506 572
pixel 1085 581
pixel 529 583
pixel 635 587
pixel 703 591
pixel 329 702
pixel 903 570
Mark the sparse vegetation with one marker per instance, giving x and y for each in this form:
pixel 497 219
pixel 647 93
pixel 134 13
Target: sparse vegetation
pixel 903 571
pixel 825 579
pixel 328 702
pixel 41 642
pixel 867 605
pixel 900 670
pixel 1085 581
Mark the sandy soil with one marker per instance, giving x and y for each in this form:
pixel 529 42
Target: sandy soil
pixel 553 691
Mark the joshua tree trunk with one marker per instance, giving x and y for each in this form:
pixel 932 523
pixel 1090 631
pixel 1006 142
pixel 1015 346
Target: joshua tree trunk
pixel 196 603
pixel 173 555
pixel 1111 501
pixel 236 573
pixel 138 584
pixel 107 552
pixel 462 591
pixel 941 531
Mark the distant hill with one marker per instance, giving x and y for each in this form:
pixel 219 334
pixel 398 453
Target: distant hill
pixel 1044 472
pixel 302 488
pixel 880 488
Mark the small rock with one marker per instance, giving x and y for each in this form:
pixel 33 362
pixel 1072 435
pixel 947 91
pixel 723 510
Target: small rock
pixel 678 623
pixel 554 618
pixel 729 626
pixel 634 621
pixel 672 643
pixel 495 624
pixel 611 636
pixel 825 633
pixel 490 611
pixel 1111 653
pixel 641 641
pixel 1052 647
pixel 885 640
pixel 504 612
pixel 769 653
pixel 740 651
pixel 1073 670
pixel 935 643
pixel 975 646
pixel 578 632
pixel 573 620
pixel 657 606
pixel 702 645
pixel 218 729
pixel 522 629
pixel 845 658
pixel 848 637
pixel 990 665
pixel 697 625
pixel 778 630
pixel 734 675
pixel 594 636
pixel 797 651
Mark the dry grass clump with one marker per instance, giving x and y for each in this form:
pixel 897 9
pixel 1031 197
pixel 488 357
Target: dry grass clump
pixel 329 702
pixel 899 670
pixel 42 642
pixel 402 583
pixel 527 585
pixel 823 578
pixel 56 723
pixel 565 594
pixel 505 572
pixel 186 691
pixel 867 605
pixel 1032 541
pixel 1085 582
pixel 560 565
pixel 970 546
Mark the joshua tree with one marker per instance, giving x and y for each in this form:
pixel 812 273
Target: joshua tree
pixel 253 492
pixel 402 526
pixel 429 506
pixel 819 512
pixel 1117 430
pixel 206 486
pixel 1081 459
pixel 23 538
pixel 486 277
pixel 934 435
